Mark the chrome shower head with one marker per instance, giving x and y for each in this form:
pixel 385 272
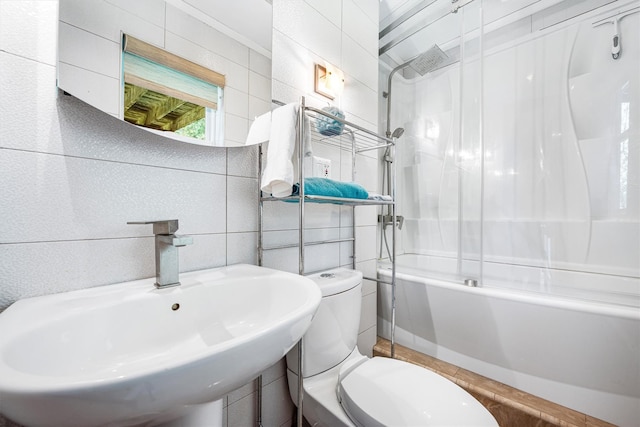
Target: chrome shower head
pixel 428 61
pixel 397 133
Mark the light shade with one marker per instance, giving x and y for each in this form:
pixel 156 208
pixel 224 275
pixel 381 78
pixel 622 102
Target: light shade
pixel 328 81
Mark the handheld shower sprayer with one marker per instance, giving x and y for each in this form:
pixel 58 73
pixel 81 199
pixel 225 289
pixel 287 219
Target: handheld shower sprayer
pixel 397 133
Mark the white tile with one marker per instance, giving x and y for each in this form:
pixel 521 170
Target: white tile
pixel 277 404
pixel 33 269
pixel 368 312
pixel 346 248
pixel 258 106
pixel 275 372
pixel 236 75
pixel 294 68
pixel 368 269
pixel 260 86
pixel 365 243
pixel 317 257
pixel 371 8
pixel 367 172
pixel 330 9
pixel 300 22
pixel 284 260
pixel 149 10
pixel 283 91
pixel 283 216
pixel 30 80
pixel 236 129
pixel 242 204
pixel 368 215
pixel 242 412
pixel 83 49
pixel 359 64
pixel 74 198
pixel 207 251
pixel 241 392
pixel 236 102
pixel 260 63
pixel 97 90
pixel 280 216
pixel 366 341
pixel 242 248
pixel 360 102
pixel 29 29
pixel 322 257
pixel 360 27
pixel 108 20
pixel 190 28
pixel 243 161
pixel 273 239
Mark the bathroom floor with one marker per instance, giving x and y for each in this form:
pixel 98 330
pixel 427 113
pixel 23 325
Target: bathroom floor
pixel 510 407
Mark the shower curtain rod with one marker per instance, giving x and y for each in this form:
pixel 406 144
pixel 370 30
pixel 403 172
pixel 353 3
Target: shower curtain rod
pixel 404 17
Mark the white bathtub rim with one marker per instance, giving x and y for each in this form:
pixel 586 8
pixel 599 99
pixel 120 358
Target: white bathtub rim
pixel 524 296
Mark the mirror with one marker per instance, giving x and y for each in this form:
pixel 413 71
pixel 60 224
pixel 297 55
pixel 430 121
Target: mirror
pixel 229 38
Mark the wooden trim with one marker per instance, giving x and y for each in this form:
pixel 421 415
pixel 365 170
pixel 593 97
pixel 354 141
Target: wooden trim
pixel 138 81
pixel 138 47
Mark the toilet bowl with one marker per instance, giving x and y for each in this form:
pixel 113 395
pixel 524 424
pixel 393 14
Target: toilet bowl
pixel 342 387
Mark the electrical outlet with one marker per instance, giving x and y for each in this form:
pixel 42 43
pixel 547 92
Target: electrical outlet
pixel 321 167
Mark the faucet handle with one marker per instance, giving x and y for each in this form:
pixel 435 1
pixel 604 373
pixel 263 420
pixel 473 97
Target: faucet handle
pixel 167 226
pixel 180 241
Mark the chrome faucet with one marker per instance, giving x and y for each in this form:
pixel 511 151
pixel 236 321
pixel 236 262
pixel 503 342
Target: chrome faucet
pixel 167 244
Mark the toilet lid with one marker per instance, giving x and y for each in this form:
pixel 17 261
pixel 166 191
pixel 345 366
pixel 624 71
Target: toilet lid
pixel 389 392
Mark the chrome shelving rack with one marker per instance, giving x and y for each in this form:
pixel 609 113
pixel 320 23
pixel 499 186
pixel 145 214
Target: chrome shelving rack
pixel 354 139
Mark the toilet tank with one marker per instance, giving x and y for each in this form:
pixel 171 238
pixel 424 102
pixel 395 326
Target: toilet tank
pixel 333 333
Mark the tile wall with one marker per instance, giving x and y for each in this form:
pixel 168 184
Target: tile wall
pixel 344 34
pixel 73 176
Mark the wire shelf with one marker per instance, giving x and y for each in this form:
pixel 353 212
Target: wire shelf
pixel 351 137
pixel 331 200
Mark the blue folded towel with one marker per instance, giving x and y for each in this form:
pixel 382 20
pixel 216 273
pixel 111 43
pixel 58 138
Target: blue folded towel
pixel 314 186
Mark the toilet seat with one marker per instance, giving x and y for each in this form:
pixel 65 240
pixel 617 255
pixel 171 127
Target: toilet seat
pixel 389 392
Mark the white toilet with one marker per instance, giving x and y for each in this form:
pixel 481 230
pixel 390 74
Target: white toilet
pixel 344 388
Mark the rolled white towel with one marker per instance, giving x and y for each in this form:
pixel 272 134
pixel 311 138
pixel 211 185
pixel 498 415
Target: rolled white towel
pixel 278 175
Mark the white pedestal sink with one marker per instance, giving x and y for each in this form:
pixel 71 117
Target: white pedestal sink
pixel 128 354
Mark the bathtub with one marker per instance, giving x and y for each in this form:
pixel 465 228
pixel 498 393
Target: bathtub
pixel 579 354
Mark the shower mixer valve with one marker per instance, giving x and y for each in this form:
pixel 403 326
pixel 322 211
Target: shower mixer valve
pixel 386 220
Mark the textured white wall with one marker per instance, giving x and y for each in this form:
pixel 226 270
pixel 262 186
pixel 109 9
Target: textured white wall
pixel 73 176
pixel 345 34
pixel 89 55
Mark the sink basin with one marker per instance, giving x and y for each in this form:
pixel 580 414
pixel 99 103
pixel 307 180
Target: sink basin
pixel 129 353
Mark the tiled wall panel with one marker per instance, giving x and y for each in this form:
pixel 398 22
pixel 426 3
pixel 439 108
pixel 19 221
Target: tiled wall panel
pixel 73 176
pixel 343 33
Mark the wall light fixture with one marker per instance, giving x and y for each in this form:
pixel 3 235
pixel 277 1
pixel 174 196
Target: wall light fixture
pixel 329 81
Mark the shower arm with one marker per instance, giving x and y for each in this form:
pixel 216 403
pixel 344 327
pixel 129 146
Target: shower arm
pixel 389 81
